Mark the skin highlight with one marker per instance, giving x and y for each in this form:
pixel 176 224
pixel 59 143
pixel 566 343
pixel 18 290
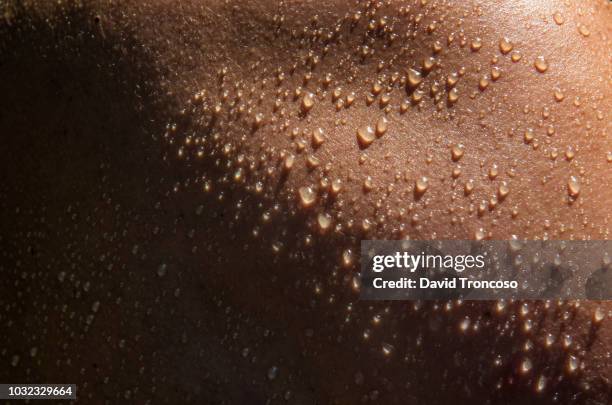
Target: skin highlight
pixel 288 132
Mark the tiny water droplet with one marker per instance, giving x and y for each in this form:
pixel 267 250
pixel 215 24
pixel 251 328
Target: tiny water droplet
pixel 161 269
pixel 457 152
pixel 540 64
pixel 526 366
pixel 414 78
pixel 421 185
pixel 573 186
pixel 307 196
pixel 505 45
pixel 381 126
pixel 307 102
pixel 365 136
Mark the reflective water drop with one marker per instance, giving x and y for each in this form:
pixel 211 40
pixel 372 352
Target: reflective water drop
pixel 317 137
pixel 161 269
pixel 505 45
pixel 584 30
pixel 289 161
pixel 381 126
pixel 324 221
pixel 526 366
pixel 307 196
pixel 476 44
pixel 483 83
pixel 503 190
pixel 421 185
pixel 272 373
pixel 541 384
pixel 495 73
pixel 453 95
pixel 336 186
pixel 457 152
pixel 307 102
pixel 598 315
pixel 387 349
pixel 540 64
pixel 573 186
pixel 479 234
pixel 558 18
pixel 347 258
pixel 365 136
pixel 469 187
pixel 414 78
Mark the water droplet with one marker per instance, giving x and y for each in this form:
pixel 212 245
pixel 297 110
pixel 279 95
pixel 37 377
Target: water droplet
pixel 381 126
pixel 359 378
pixel 572 363
pixel 505 45
pixel 414 78
pixel 307 102
pixel 493 171
pixel 368 183
pixel 584 30
pixel 347 258
pixel 365 136
pixel 429 63
pixel 452 79
pixel 559 19
pixel 161 269
pixel 480 234
pixel 453 95
pixel 421 185
pixel 307 196
pixel 289 161
pixel 317 137
pixel 464 324
pixel 469 187
pixel 259 120
pixel 526 366
pixel 540 64
pixel 336 186
pixel 457 152
pixel 503 190
pixel 273 373
pixel 324 221
pixel 483 83
pixel 387 349
pixel 541 384
pixel 312 162
pixel 476 44
pixel 495 73
pixel 573 186
pixel 598 315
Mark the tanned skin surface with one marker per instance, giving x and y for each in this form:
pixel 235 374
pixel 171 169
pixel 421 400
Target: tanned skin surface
pixel 185 185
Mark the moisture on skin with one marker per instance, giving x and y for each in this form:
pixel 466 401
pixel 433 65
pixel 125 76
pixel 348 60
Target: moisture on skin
pixel 188 185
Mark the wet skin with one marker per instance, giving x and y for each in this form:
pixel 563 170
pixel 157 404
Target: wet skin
pixel 186 186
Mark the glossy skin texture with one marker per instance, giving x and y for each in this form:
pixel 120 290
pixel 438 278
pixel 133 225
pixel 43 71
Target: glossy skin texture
pixel 187 185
